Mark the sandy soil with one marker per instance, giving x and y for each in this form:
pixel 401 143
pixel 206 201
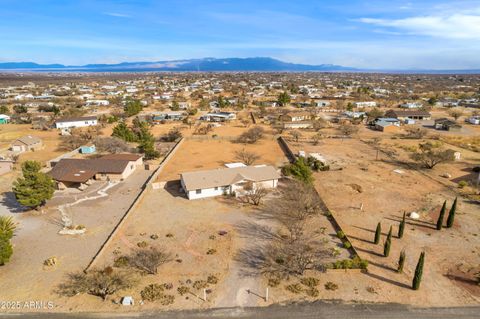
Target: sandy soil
pixel 210 154
pixel 385 195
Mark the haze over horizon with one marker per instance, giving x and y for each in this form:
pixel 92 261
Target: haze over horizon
pixel 374 35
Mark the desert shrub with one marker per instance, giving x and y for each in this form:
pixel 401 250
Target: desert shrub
pixel 142 244
pixel 294 288
pixel 347 245
pixel 312 292
pixel 152 292
pixel 169 235
pixel 212 279
pixel 121 261
pixel 462 184
pixel 274 282
pixel 211 251
pixel 331 286
pixel 182 290
pixel 200 284
pixel 168 286
pixel 166 300
pixel 309 282
pixel 340 234
pixel 355 263
pixel 154 236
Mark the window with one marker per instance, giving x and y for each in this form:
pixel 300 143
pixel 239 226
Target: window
pixel 216 188
pixel 198 191
pixel 86 122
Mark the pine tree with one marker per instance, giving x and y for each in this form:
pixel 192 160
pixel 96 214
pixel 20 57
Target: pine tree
pixel 401 261
pixel 441 216
pixel 378 233
pixel 401 227
pixel 7 229
pixel 388 243
pixel 418 272
pixel 121 130
pixel 6 251
pixel 34 188
pixel 451 214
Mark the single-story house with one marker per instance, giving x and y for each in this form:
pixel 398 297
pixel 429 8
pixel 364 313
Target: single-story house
pixel 447 125
pixel 218 117
pixel 322 103
pixel 76 122
pixel 168 116
pixel 26 143
pixel 365 104
pixel 385 124
pixel 4 119
pixel 297 124
pixel 216 182
pixel 411 105
pixel 408 114
pixel 475 120
pixel 73 172
pixel 295 117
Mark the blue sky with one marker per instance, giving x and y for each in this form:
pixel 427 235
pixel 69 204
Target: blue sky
pixel 367 34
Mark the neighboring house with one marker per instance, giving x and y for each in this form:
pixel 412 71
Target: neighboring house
pixel 402 115
pixel 354 115
pixel 26 143
pixel 98 102
pixel 76 122
pixel 168 116
pixel 365 104
pixel 322 103
pixel 475 120
pixel 5 166
pixel 411 105
pixel 221 181
pixel 297 124
pixel 72 172
pixel 448 102
pixel 385 124
pixel 446 125
pixel 218 117
pixel 4 119
pixel 295 117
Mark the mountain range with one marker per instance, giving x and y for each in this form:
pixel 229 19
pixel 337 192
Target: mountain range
pixel 257 64
pixel 206 64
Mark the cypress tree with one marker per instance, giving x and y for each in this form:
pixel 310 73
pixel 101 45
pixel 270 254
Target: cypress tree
pixel 441 216
pixel 418 272
pixel 401 228
pixel 388 243
pixel 401 261
pixel 378 233
pixel 451 214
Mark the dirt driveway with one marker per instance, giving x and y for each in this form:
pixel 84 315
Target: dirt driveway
pixel 25 277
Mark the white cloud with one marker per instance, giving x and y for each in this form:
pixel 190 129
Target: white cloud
pixel 454 26
pixel 116 14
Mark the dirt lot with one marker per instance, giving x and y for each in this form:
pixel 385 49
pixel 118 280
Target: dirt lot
pixel 25 277
pixel 452 255
pixel 51 139
pixel 210 154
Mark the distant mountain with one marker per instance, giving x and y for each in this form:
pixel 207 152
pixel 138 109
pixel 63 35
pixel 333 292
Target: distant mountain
pixel 206 64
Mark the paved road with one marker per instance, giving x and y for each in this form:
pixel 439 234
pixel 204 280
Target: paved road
pixel 316 310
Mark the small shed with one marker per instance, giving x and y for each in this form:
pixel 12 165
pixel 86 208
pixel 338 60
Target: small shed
pixel 87 149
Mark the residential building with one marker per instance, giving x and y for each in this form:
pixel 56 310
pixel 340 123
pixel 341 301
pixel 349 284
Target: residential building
pixel 72 172
pixel 76 122
pixel 218 117
pixel 408 114
pixel 26 143
pixel 216 182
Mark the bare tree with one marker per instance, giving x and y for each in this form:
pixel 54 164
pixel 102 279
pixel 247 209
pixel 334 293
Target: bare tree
pixel 430 154
pixel 246 121
pixel 246 157
pixel 415 132
pixel 296 135
pixel 252 135
pixel 348 129
pixel 320 124
pixel 112 145
pixel 255 195
pixel 96 282
pixel 455 113
pixel 317 138
pixel 149 259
